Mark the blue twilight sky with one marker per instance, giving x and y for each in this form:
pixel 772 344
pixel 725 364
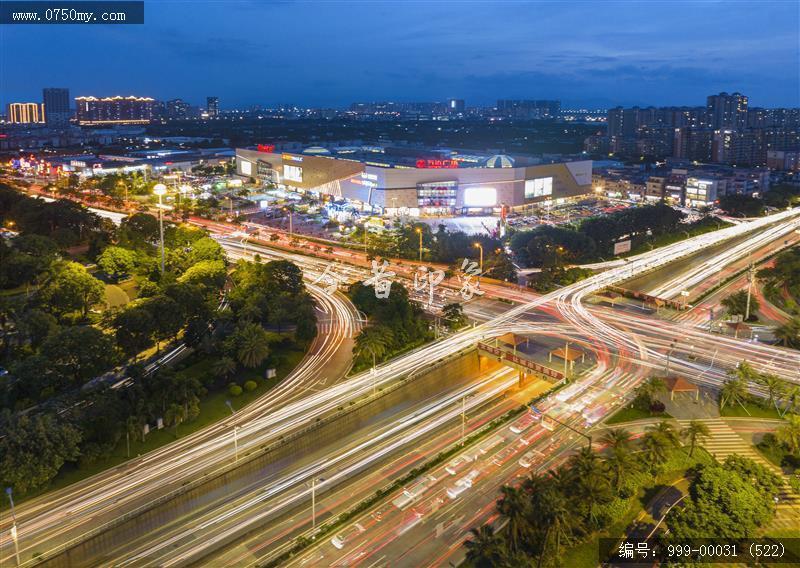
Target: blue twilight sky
pixel 331 53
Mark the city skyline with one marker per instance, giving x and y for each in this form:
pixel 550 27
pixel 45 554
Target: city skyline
pixel 623 54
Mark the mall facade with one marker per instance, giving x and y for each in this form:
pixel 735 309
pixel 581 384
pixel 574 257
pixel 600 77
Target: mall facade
pixel 407 181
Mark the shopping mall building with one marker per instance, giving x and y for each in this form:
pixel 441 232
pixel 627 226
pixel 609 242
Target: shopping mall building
pixel 409 181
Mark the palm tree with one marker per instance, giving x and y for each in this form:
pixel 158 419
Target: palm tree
pixel 621 464
pixel 775 388
pixel 593 490
pixel 658 442
pixel 792 398
pixel 733 392
pixel 484 549
pixel 651 388
pixel 617 438
pixel 789 433
pixel 252 345
pixel 789 333
pixel 174 415
pixel 744 371
pixel 513 506
pixel 373 340
pixel 585 463
pixel 224 367
pixel 695 432
pixel 667 430
pixel 551 509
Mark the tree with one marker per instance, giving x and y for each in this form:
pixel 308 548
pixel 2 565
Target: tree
pixel 723 503
pixel 789 433
pixel 174 416
pixel 80 353
pixel 71 288
pixel 775 386
pixel 251 344
pixel 139 230
pixel 224 367
pixel 33 449
pixel 134 329
pixel 647 393
pixel 207 273
pixel 373 340
pixel 738 205
pixel 513 506
pixel 658 442
pixel 484 550
pixel 621 462
pixel 695 432
pixel 453 314
pixel 733 392
pixel 117 261
pixel 788 333
pixel 736 304
pixel 37 326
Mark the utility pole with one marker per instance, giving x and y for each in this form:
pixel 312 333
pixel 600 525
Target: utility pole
pixel 463 417
pixel 313 502
pixel 750 282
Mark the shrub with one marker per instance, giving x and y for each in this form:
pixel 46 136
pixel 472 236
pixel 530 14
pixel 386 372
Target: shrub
pixel 235 389
pixel 250 386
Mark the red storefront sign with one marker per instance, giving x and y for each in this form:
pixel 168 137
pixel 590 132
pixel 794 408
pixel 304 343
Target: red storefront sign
pixel 436 164
pixel 268 148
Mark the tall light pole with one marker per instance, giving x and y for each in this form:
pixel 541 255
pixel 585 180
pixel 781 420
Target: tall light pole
pixel 750 282
pixel 14 524
pixel 419 232
pixel 160 189
pixel 289 210
pixel 480 247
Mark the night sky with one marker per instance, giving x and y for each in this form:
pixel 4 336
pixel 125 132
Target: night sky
pixel 592 54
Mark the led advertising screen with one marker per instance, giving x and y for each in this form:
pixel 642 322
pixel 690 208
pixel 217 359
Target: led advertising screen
pixel 480 197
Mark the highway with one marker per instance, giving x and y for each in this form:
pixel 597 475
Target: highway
pixel 80 509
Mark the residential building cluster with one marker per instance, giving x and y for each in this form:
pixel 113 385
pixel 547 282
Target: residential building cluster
pixel 679 182
pixel 727 131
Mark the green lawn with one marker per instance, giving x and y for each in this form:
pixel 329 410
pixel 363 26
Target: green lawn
pixel 750 410
pixel 629 414
pixel 212 409
pixel 115 296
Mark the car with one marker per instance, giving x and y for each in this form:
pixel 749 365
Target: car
pixel 341 539
pixel 462 484
pixel 491 443
pixel 522 424
pixel 528 459
pixel 458 464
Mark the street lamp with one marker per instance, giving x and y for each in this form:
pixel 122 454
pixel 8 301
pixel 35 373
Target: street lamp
pixel 480 247
pixel 160 189
pixel 419 232
pixel 184 189
pixel 9 492
pixel 289 210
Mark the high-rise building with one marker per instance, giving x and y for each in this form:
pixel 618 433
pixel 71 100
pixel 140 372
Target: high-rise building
pixel 176 109
pixel 56 107
pixel 25 113
pixel 727 111
pixel 212 106
pixel 455 106
pixel 114 110
pixel 529 109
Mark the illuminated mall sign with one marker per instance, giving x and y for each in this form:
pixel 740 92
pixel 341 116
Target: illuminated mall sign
pixel 268 148
pixel 436 164
pixel 291 158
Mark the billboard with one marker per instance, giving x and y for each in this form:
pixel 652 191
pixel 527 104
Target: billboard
pixel 622 246
pixel 480 196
